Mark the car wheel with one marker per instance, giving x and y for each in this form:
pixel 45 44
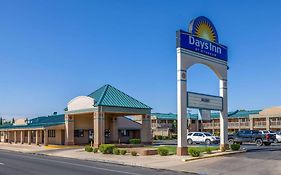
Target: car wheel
pixel 189 141
pixel 259 142
pixel 267 143
pixel 276 141
pixel 230 141
pixel 208 141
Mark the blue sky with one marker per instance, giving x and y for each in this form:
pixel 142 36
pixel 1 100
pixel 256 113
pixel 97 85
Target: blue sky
pixel 52 51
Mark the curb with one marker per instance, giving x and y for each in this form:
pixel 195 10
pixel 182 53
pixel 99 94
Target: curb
pixel 213 155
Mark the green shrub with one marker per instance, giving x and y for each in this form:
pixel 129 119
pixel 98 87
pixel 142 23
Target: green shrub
pixel 123 151
pixel 88 148
pixel 116 151
pixel 159 137
pixel 208 150
pixel 235 147
pixel 95 150
pixel 135 141
pixel 194 152
pixel 163 151
pixel 107 148
pixel 134 153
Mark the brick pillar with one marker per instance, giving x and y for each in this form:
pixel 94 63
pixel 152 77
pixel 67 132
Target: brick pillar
pixel 267 123
pixel 46 138
pixel 69 129
pixel 40 136
pixel 15 136
pixel 99 125
pixel 146 134
pixel 251 123
pixel 21 136
pixel 114 130
pixel 29 137
pixel 37 137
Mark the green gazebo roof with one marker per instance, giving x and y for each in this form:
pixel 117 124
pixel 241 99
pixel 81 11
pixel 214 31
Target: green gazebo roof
pixel 108 95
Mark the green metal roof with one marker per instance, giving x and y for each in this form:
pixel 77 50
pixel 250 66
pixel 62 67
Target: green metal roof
pixel 235 114
pixel 38 122
pixel 110 96
pixel 171 116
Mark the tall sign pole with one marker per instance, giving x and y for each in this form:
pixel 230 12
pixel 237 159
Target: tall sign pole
pixel 200 45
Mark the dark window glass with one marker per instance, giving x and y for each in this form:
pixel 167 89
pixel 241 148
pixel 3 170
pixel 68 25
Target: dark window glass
pixel 79 133
pixel 124 133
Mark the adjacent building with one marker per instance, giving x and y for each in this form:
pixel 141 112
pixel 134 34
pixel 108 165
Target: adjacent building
pixel 101 117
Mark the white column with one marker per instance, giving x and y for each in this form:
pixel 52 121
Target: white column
pixel 181 106
pixel 224 116
pixel 15 136
pixel 29 137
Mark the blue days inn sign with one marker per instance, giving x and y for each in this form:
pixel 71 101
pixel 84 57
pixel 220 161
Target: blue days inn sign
pixel 202 38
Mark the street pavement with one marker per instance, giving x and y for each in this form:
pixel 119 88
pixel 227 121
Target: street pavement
pixel 13 163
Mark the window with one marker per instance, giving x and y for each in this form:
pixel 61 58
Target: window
pixel 51 133
pixel 198 134
pixel 79 133
pixel 189 134
pixel 124 133
pixel 193 121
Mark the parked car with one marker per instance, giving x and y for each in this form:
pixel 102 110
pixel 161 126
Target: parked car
pixel 202 137
pixel 267 132
pixel 252 136
pixel 278 137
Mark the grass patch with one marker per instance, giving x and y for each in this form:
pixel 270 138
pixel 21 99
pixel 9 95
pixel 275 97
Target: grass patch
pixel 203 149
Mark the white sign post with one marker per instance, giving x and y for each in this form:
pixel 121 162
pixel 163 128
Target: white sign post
pixel 200 45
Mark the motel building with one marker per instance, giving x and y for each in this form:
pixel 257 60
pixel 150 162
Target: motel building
pixel 267 119
pixel 103 117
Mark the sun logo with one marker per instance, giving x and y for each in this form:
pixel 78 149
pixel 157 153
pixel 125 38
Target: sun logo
pixel 202 27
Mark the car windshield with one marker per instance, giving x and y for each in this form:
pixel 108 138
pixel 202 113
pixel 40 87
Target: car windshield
pixel 266 132
pixel 207 134
pixel 272 132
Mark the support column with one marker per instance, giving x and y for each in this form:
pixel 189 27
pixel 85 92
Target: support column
pixel 114 130
pixel 8 136
pixel 41 136
pixel 267 123
pixel 46 138
pixel 99 128
pixel 224 117
pixel 69 129
pixel 239 124
pixel 21 136
pixel 5 137
pixel 181 106
pixel 146 134
pixel 251 123
pixel 15 136
pixel 29 137
pixel 37 137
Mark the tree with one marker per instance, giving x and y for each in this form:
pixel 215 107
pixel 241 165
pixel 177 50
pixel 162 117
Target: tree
pixel 1 121
pixel 13 121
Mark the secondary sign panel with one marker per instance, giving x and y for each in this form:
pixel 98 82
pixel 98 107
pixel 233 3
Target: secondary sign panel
pixel 204 101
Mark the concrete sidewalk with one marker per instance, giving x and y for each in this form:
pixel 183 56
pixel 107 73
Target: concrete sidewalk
pixel 172 162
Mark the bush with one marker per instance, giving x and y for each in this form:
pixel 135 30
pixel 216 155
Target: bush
pixel 135 141
pixel 123 152
pixel 163 151
pixel 194 152
pixel 88 149
pixel 134 153
pixel 235 147
pixel 95 150
pixel 116 151
pixel 208 150
pixel 107 148
pixel 159 137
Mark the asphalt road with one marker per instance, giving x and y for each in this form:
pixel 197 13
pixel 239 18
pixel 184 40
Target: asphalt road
pixel 12 163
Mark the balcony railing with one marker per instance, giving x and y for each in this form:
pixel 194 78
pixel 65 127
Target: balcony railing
pixel 244 124
pixel 275 123
pixel 259 123
pixel 161 125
